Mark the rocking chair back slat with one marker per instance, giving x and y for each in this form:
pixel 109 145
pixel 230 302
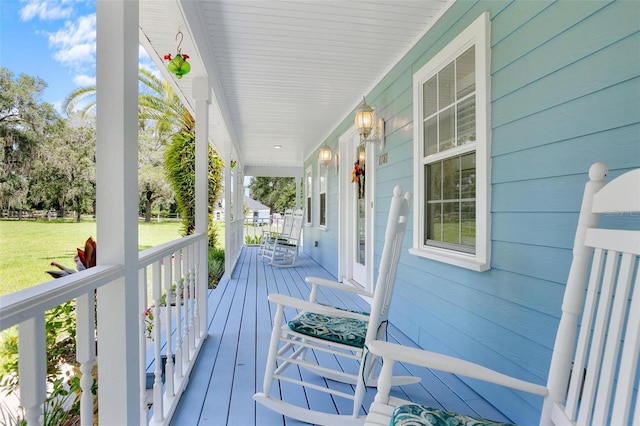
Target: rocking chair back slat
pixel 394 234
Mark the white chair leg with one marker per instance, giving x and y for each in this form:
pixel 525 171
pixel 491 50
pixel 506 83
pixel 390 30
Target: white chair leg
pixel 273 351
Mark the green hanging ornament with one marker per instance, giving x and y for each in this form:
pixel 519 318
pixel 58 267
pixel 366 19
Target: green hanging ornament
pixel 178 65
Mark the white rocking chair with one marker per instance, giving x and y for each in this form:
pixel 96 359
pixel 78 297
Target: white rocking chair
pixel 269 236
pixel 611 307
pixel 283 249
pixel 335 332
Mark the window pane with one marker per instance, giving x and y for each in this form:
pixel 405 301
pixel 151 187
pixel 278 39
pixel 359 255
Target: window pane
pixel 445 126
pixel 430 96
pixel 434 222
pixel 308 209
pixel 323 209
pixel 468 224
pixel 466 120
pixel 433 176
pixel 446 86
pixel 468 176
pixel 431 136
pixel 451 179
pixel 450 223
pixel 465 69
pixel 323 181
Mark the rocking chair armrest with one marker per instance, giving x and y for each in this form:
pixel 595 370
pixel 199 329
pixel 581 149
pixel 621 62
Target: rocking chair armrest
pixel 303 305
pixel 451 364
pixel 315 281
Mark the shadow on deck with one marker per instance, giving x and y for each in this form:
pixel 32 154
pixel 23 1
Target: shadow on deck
pixel 230 367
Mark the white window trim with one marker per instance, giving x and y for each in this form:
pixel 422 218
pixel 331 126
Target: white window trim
pixel 322 170
pixel 477 33
pixel 308 212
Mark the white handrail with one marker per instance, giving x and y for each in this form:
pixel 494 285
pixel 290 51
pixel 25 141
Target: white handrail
pixel 25 304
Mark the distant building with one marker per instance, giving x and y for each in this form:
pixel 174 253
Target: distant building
pixel 256 212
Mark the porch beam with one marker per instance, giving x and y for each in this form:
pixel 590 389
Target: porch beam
pixel 201 90
pixel 117 23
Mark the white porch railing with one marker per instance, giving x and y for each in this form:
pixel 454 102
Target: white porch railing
pixel 165 270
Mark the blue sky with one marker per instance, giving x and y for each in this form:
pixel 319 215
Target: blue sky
pixel 51 39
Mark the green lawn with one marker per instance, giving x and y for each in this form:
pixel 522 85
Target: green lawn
pixel 27 247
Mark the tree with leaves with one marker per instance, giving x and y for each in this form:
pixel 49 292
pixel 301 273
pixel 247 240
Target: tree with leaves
pixel 25 122
pixel 180 162
pixel 65 170
pixel 152 179
pixel 279 193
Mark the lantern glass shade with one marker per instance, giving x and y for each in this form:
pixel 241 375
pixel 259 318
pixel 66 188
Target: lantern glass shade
pixel 325 155
pixel 364 119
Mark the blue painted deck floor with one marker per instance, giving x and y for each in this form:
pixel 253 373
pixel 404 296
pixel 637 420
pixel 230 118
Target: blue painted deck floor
pixel 230 366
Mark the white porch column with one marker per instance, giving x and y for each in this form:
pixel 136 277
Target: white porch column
pixel 117 209
pixel 200 93
pixel 298 186
pixel 228 262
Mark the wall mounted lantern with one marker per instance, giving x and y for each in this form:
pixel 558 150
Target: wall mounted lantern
pixel 366 125
pixel 325 154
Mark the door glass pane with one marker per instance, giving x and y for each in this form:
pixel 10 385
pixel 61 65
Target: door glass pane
pixel 361 218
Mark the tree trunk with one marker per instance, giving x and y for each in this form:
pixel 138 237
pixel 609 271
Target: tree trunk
pixel 147 206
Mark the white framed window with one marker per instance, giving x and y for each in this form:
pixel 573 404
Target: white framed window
pixel 452 139
pixel 308 185
pixel 322 195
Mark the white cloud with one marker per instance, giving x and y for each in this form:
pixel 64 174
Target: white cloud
pixel 75 43
pixel 45 10
pixel 83 80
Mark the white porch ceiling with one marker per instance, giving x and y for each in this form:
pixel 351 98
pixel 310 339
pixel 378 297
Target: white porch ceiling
pixel 283 72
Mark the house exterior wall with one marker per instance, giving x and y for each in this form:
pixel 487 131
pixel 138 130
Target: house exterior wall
pixel 565 93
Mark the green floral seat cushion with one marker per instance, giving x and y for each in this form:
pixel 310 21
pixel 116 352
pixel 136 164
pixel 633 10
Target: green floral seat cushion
pixel 348 331
pixel 419 415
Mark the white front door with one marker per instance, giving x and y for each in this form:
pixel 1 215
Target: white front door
pixel 355 215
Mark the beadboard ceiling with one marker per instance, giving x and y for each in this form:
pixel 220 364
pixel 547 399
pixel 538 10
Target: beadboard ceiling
pixel 283 72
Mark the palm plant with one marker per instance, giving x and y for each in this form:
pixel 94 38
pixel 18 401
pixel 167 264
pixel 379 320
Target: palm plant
pixel 157 102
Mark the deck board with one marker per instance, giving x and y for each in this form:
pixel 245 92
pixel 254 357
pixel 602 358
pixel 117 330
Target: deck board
pixel 230 367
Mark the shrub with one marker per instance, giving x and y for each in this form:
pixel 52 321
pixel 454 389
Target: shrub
pixel 216 266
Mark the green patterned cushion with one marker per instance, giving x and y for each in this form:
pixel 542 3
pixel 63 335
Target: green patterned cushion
pixel 419 415
pixel 335 329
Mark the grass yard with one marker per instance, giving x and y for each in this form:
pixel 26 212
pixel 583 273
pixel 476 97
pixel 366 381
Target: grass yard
pixel 28 247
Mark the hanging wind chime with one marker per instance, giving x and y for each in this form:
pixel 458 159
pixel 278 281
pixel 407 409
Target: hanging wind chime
pixel 178 65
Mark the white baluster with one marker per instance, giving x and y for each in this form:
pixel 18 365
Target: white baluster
pixel 157 383
pixel 186 356
pixel 177 271
pixel 196 286
pixel 142 324
pixel 192 280
pixel 168 372
pixel 32 366
pixel 85 352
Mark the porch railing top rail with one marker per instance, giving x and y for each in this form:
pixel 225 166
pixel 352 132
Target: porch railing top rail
pixel 156 253
pixel 24 304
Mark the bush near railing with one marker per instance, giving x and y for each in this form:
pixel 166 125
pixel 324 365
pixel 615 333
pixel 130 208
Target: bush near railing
pixel 216 266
